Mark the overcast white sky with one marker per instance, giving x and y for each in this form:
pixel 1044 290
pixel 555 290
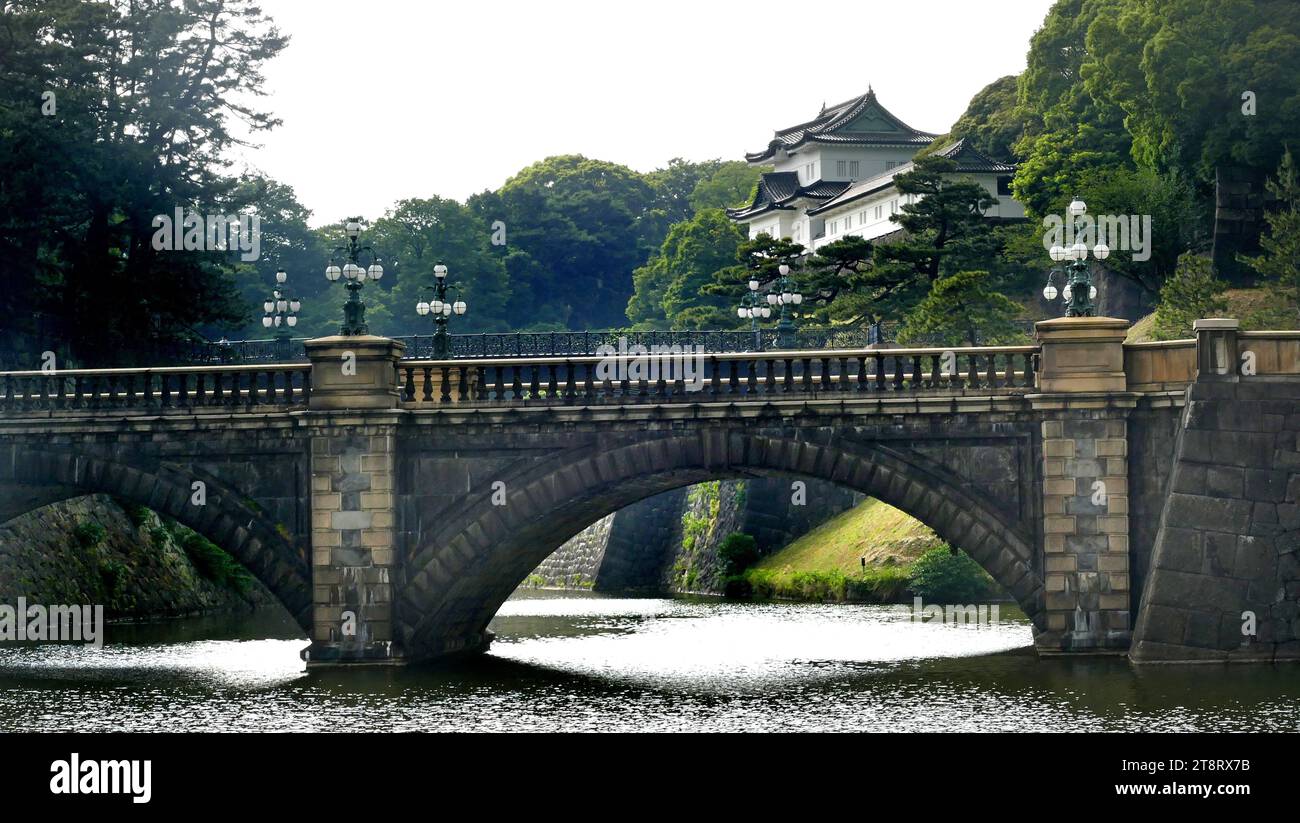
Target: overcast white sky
pixel 386 99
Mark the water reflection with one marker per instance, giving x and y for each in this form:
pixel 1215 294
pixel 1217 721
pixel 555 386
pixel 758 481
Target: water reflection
pixel 582 662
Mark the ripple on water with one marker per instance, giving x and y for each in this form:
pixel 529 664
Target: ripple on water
pixel 593 663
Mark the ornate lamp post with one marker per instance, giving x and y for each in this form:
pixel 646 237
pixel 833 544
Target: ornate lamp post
pixel 785 295
pixel 441 308
pixel 354 310
pixel 1078 292
pixel 281 314
pixel 752 307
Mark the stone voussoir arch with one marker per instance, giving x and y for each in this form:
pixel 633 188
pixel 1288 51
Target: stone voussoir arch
pixel 225 518
pixel 462 572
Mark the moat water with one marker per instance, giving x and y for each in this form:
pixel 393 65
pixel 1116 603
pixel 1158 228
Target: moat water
pixel 577 662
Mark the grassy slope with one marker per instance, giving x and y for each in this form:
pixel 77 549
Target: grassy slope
pixel 879 532
pixel 1241 303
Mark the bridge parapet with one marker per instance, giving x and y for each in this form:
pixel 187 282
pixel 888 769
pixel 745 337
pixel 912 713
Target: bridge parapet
pixel 703 378
pixel 157 390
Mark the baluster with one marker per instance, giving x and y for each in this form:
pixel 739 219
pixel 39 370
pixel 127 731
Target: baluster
pixel 534 388
pixel 408 389
pixel 898 372
pixel 218 389
pixel 862 384
pixel 42 392
pixel 588 391
pixel 78 392
pixel 826 373
pixel 880 371
pixel 917 374
pixel 991 372
pixel 570 380
pixel 807 374
pixel 463 391
pixel 517 390
pixel 445 395
pixel 286 396
pixel 934 371
pixel 427 395
pixel 732 378
pixel 972 372
pixel 662 389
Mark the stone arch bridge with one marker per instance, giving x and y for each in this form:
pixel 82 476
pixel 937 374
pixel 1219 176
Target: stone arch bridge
pixel 1131 498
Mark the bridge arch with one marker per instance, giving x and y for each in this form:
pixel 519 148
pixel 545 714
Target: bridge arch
pixel 33 477
pixel 461 573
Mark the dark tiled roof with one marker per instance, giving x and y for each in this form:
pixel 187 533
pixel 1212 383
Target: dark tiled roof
pixel 831 127
pixel 969 161
pixel 778 189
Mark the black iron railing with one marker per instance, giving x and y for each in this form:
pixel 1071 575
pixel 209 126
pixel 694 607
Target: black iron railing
pixel 552 344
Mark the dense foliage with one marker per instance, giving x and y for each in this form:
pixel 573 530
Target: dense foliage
pixel 114 113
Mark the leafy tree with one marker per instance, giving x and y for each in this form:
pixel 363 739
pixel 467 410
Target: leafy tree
pixel 668 287
pixel 738 552
pixel 288 242
pixel 1279 263
pixel 993 121
pixel 413 236
pixel 576 229
pixel 1190 294
pixel 674 185
pixel 730 185
pixel 1067 132
pixel 1179 70
pixel 144 94
pixel 1178 220
pixel 834 283
pixel 945 232
pixel 962 309
pixel 944 576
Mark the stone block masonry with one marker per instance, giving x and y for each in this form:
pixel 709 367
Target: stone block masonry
pixel 353 547
pixel 1086 529
pixel 1085 485
pixel 1225 571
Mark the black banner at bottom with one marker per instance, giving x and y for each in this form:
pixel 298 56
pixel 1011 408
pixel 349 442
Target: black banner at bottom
pixel 129 775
